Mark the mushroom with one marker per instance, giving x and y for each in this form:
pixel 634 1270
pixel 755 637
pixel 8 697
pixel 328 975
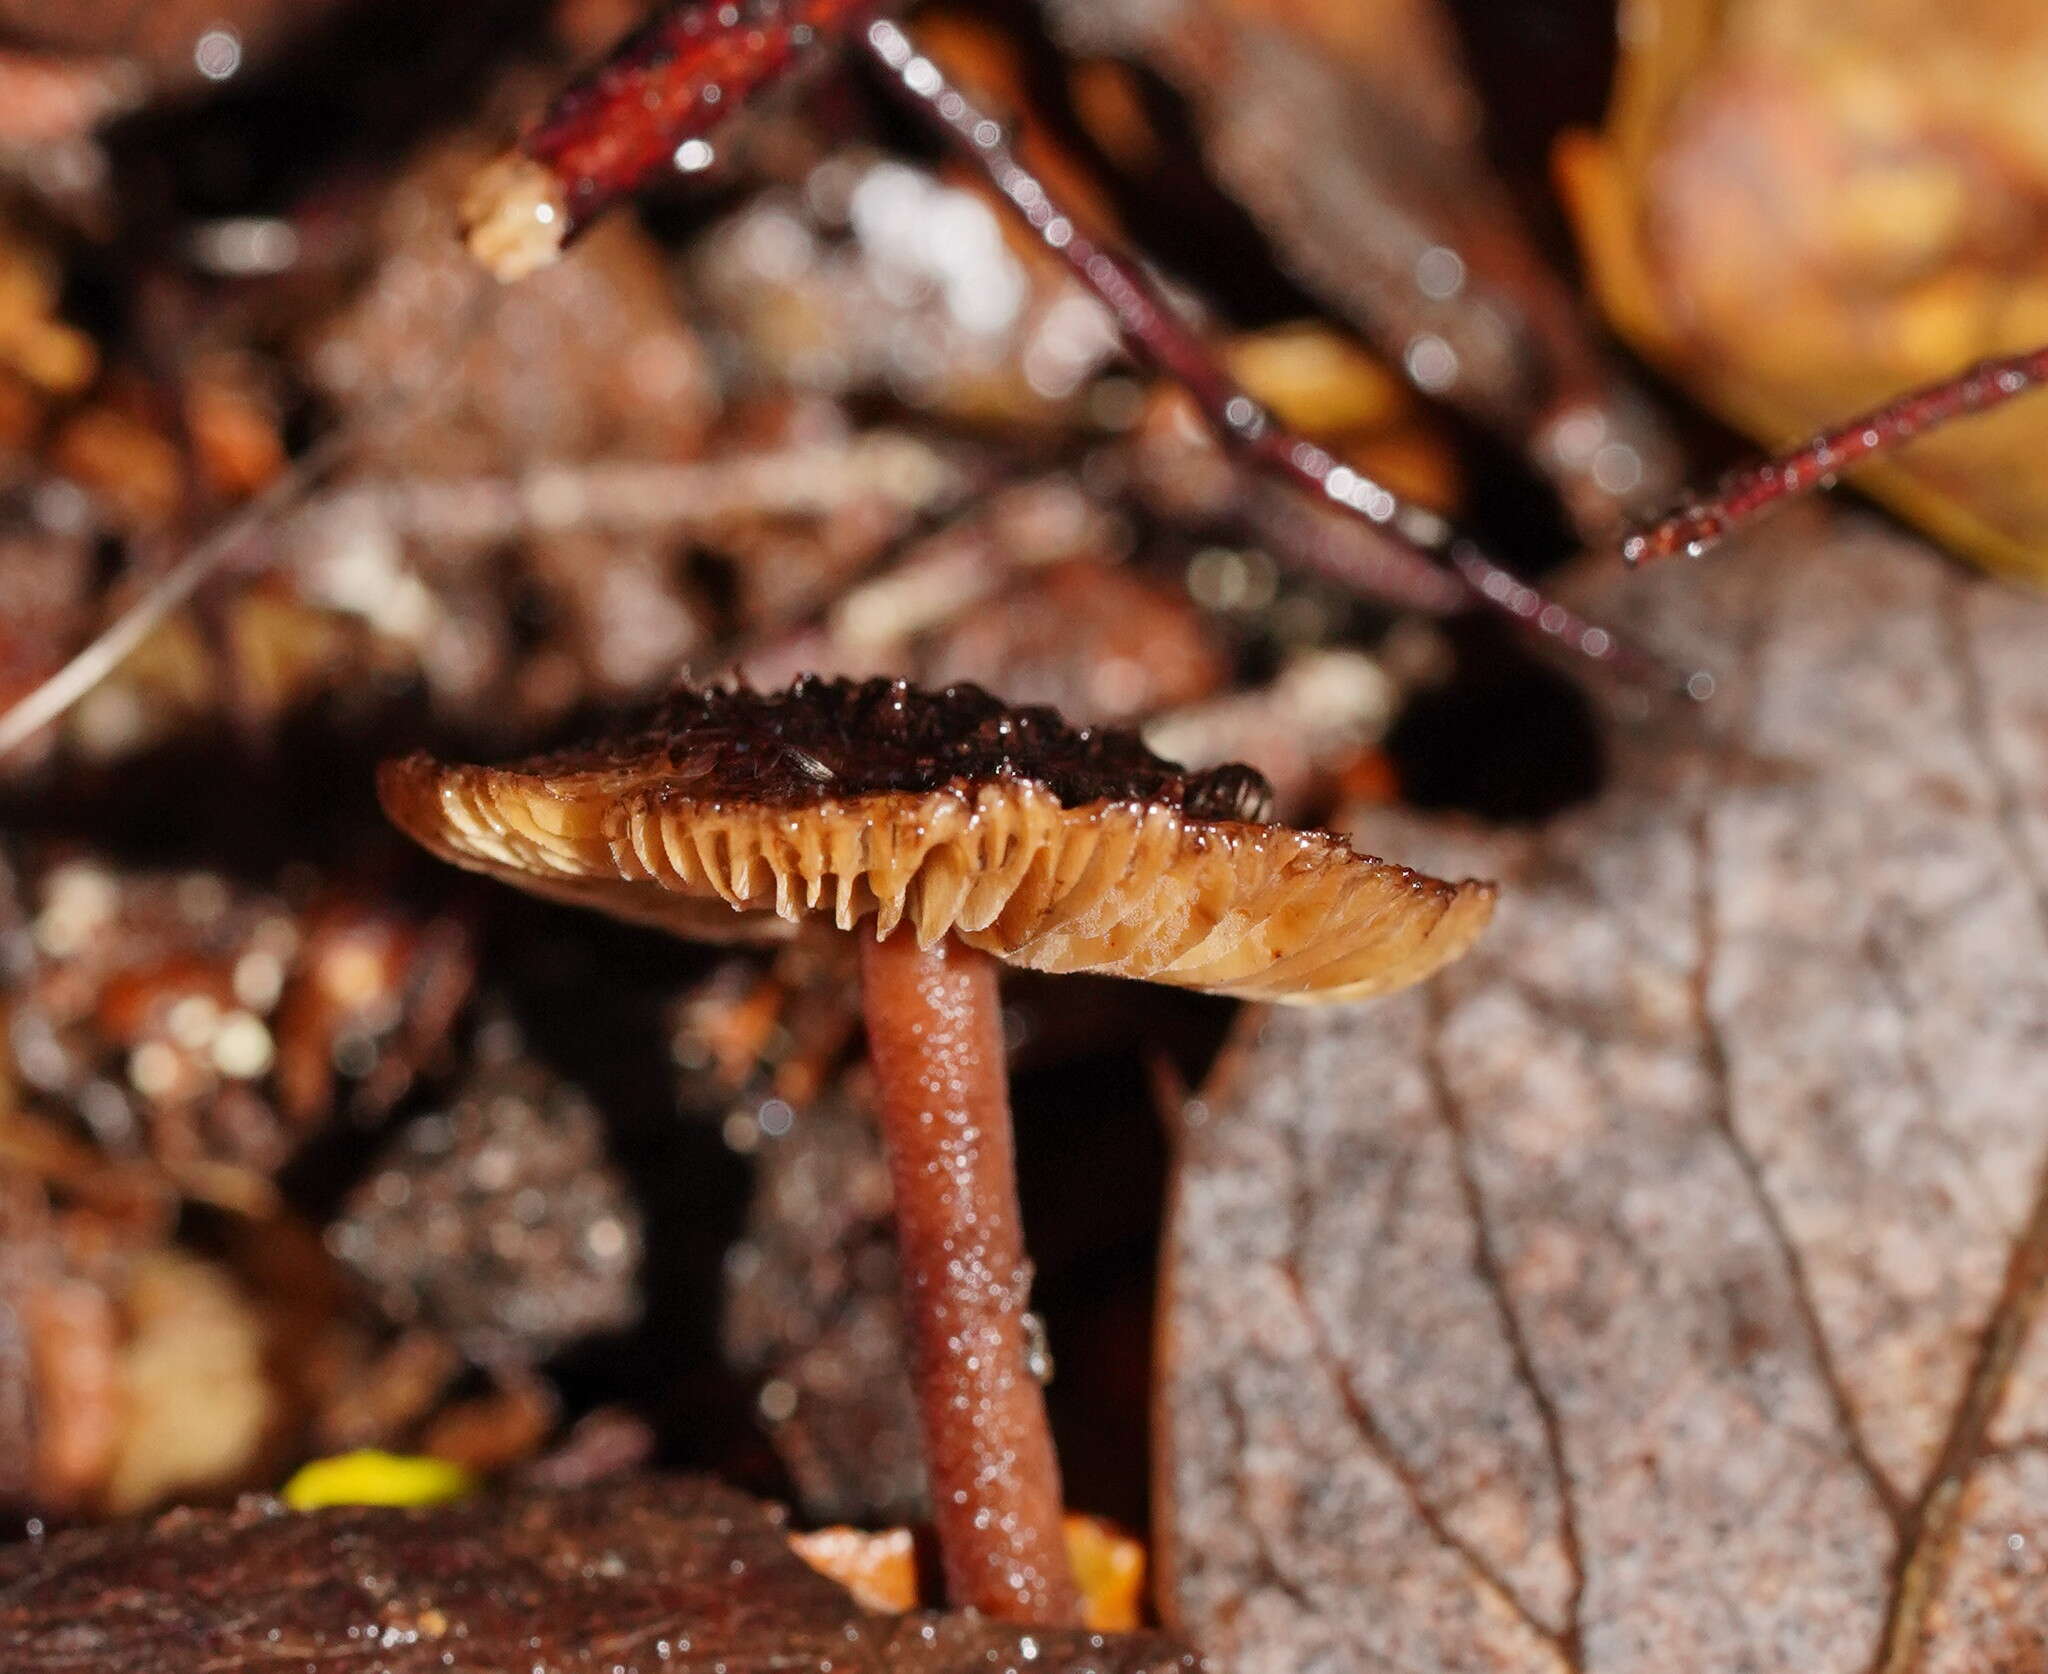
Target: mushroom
pixel 967 833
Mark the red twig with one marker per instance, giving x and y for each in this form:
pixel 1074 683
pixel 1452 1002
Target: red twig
pixel 610 131
pixel 1700 524
pixel 1157 334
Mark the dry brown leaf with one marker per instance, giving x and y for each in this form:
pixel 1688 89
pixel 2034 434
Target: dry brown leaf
pixel 1660 1289
pixel 676 1575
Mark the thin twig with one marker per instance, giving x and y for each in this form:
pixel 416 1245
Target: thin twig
pixel 206 558
pixel 647 106
pixel 1700 524
pixel 1159 336
pixel 48 702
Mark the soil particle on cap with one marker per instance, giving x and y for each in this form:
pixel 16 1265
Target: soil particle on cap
pixel 840 738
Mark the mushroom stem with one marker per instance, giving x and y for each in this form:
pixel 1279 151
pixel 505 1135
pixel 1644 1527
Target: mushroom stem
pixel 935 1038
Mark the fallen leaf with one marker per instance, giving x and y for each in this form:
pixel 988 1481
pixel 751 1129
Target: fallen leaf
pixel 1800 209
pixel 676 1574
pixel 1661 1287
pixel 878 1569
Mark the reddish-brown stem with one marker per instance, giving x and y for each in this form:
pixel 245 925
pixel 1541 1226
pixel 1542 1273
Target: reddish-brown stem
pixel 936 1043
pixel 1700 524
pixel 1401 563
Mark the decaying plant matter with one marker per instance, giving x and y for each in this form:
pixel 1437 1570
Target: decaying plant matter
pixel 683 1575
pixel 654 98
pixel 1661 1288
pixel 1705 1199
pixel 1801 209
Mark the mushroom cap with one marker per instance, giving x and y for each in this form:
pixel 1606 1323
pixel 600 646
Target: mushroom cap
pixel 1048 846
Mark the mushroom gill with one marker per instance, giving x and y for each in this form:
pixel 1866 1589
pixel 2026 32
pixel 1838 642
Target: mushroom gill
pixel 1043 845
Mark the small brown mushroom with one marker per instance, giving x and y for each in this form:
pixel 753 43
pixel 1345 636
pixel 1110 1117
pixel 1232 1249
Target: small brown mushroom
pixel 964 830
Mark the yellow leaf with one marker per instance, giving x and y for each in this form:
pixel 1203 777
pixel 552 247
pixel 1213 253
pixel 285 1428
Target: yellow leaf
pixel 1801 208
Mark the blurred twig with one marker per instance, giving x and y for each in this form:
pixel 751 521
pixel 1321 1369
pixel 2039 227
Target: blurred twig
pixel 399 412
pixel 1404 556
